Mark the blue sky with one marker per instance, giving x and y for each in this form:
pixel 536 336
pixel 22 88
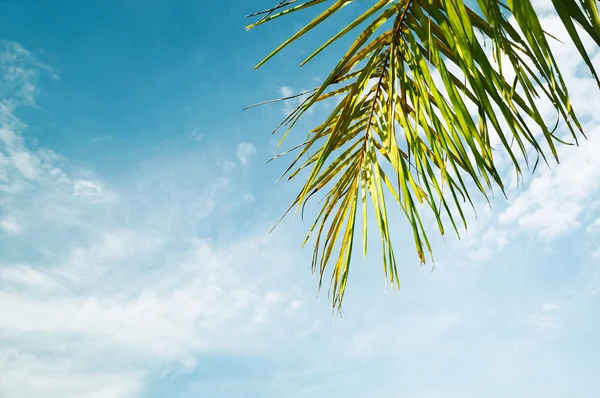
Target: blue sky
pixel 135 205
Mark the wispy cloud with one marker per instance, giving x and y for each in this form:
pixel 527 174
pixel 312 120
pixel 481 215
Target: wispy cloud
pixel 148 292
pixel 20 73
pixel 11 225
pixel 594 226
pixel 293 101
pixel 245 151
pixel 27 375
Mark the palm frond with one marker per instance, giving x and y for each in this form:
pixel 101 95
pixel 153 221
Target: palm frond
pixel 419 103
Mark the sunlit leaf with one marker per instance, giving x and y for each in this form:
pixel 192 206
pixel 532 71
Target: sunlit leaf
pixel 418 97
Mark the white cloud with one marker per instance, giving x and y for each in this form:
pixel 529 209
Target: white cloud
pixel 227 165
pixel 20 73
pixel 549 307
pixel 248 197
pixel 244 152
pixel 26 375
pixel 87 189
pixel 495 238
pixel 594 227
pixel 27 277
pixel 542 5
pixel 286 91
pixel 19 164
pixel 296 305
pixel 189 304
pixel 40 193
pixel 288 105
pixel 102 282
pixel 26 163
pixel 11 226
pixel 196 135
pixel 8 137
pixel 91 300
pixel 481 254
pixel 555 201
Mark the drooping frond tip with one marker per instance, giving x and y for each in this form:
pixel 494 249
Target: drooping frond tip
pixel 424 104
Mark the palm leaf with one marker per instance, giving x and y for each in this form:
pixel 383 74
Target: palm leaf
pixel 419 100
